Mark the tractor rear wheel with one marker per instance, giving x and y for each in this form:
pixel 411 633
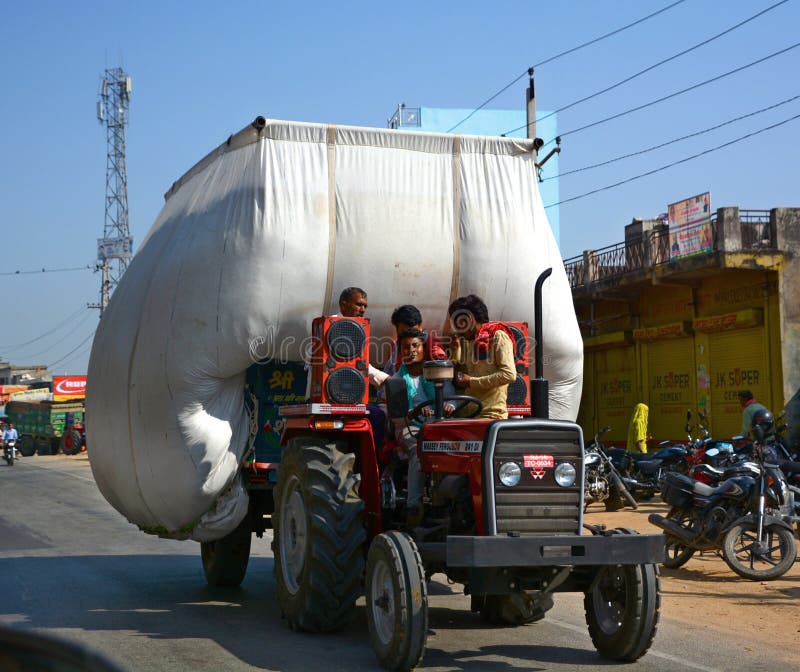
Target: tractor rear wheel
pixel 71 442
pixel 318 535
pixel 225 560
pixel 622 609
pixel 27 446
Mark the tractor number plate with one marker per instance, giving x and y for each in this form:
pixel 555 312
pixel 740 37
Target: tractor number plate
pixel 538 461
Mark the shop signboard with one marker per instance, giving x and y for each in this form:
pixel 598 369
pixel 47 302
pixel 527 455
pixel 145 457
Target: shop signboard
pixel 66 388
pixel 690 226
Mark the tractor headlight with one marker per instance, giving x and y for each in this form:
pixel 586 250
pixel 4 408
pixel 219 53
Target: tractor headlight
pixel 565 474
pixel 509 474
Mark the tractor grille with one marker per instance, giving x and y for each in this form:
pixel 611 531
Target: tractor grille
pixel 537 504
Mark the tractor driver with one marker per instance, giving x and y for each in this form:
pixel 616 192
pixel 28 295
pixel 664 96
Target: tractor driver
pixel 483 353
pixel 411 344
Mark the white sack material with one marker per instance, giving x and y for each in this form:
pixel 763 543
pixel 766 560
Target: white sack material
pixel 258 239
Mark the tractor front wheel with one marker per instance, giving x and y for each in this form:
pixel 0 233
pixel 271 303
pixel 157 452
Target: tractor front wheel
pixel 397 601
pixel 622 609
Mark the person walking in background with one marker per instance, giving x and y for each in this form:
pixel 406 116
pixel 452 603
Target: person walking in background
pixel 637 430
pixel 749 408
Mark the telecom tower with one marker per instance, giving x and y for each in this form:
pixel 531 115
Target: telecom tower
pixel 114 248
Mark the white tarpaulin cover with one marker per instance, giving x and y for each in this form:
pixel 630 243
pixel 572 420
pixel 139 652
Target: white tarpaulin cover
pixel 258 239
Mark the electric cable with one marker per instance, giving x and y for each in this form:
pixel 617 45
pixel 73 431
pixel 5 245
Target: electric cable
pixel 47 333
pixel 677 93
pixel 670 142
pixel 651 67
pixel 674 163
pixel 564 53
pixel 79 353
pixel 83 342
pixel 61 339
pixel 49 270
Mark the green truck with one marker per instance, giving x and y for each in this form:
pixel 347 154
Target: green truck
pixel 48 427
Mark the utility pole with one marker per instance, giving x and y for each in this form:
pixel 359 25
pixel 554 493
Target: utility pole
pixel 530 108
pixel 114 249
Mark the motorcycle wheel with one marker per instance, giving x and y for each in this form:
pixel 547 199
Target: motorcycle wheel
pixel 677 554
pixel 759 560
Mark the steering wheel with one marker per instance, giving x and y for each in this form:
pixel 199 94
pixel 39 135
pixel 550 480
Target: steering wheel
pixel 465 399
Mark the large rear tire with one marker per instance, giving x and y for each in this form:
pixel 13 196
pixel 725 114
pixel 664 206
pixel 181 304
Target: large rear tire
pixel 622 610
pixel 318 535
pixel 759 560
pixel 27 447
pixel 71 442
pixel 397 601
pixel 225 560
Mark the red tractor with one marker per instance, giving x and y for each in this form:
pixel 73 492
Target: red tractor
pixel 503 515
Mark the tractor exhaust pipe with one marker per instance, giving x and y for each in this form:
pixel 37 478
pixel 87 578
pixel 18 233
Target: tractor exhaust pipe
pixel 540 394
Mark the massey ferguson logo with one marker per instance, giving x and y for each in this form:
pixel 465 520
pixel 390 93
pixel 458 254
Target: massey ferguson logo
pixel 74 386
pixel 538 464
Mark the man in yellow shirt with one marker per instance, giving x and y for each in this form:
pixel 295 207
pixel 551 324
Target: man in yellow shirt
pixel 483 352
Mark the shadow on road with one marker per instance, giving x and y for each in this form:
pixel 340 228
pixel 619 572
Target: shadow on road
pixel 165 597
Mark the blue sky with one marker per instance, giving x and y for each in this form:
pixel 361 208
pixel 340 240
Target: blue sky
pixel 202 70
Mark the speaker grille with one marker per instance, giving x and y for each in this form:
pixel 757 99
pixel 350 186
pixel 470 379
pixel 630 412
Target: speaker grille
pixel 345 339
pixel 345 386
pixel 517 391
pixel 519 341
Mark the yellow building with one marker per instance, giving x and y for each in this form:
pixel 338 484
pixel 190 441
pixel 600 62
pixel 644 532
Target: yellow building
pixel 690 332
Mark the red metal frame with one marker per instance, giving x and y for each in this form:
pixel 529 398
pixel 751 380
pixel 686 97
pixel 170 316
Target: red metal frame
pixel 357 432
pixel 463 437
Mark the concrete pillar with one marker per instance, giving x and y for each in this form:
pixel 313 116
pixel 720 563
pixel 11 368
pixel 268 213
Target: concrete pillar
pixel 729 230
pixel 785 222
pixel 589 267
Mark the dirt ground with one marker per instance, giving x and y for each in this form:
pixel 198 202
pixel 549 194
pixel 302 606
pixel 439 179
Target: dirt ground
pixel 706 592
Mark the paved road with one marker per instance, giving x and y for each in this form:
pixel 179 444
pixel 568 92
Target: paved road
pixel 71 565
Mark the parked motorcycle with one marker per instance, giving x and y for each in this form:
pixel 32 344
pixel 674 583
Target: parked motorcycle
pixel 602 481
pixel 642 472
pixel 10 451
pixel 747 517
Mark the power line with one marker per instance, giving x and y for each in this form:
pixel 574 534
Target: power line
pixel 564 53
pixel 49 270
pixel 674 140
pixel 61 339
pixel 651 67
pixel 83 342
pixel 47 333
pixel 678 93
pixel 674 163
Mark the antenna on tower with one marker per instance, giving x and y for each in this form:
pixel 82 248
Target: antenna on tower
pixel 115 248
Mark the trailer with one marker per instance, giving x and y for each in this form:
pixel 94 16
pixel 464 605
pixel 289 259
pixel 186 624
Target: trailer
pixel 48 427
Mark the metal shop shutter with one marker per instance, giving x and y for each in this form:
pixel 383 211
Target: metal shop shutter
pixel 737 362
pixel 672 387
pixel 615 390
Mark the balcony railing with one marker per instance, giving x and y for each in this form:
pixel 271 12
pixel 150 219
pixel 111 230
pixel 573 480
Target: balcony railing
pixel 653 249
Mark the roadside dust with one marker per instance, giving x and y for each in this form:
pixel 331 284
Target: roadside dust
pixel 705 594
